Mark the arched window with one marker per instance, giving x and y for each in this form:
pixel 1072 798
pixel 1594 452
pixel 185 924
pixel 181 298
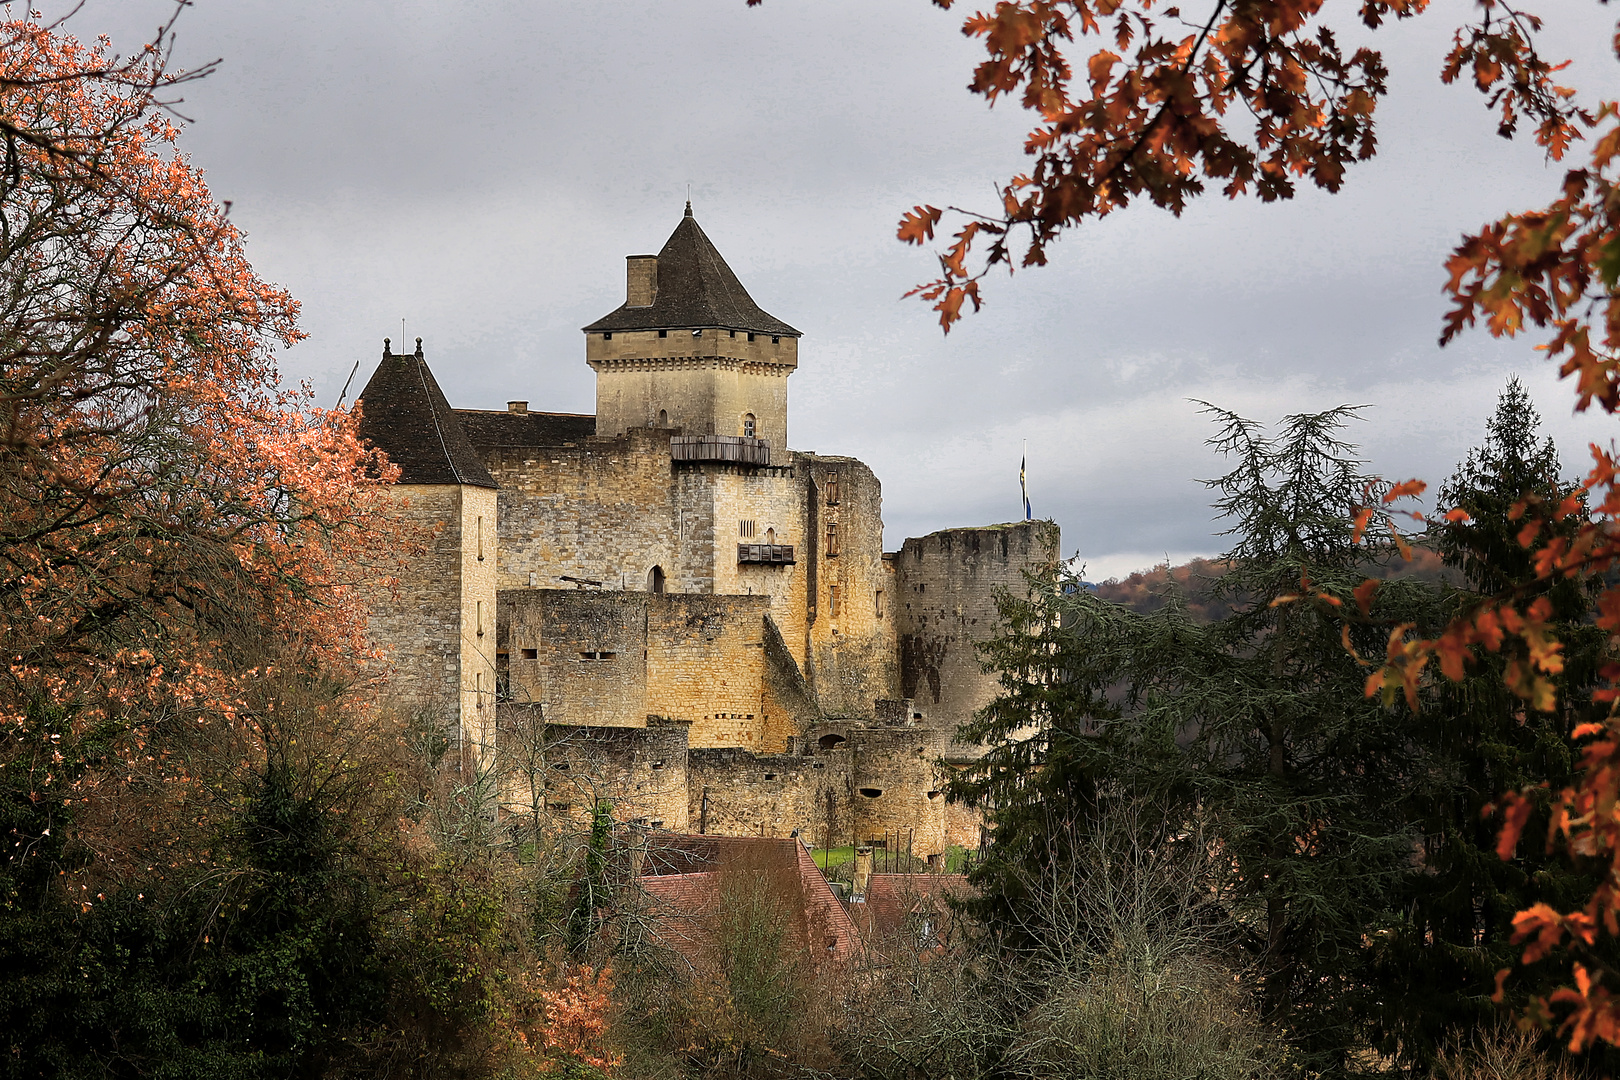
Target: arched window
pixel 655 579
pixel 748 425
pixel 770 536
pixel 663 418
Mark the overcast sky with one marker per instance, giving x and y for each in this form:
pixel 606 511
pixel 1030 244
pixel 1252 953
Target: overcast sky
pixel 480 171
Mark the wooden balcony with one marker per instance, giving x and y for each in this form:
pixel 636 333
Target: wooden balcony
pixel 768 554
pixel 735 448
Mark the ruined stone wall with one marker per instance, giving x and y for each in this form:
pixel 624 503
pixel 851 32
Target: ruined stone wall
pixel 706 666
pixel 769 795
pixel 850 637
pixel 947 584
pixel 641 771
pixel 601 510
pixel 899 786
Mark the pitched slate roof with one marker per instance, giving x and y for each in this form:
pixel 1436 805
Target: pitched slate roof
pixel 403 412
pixel 695 289
pixel 488 427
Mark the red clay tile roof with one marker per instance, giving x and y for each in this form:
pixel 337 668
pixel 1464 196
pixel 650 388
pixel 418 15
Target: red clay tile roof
pixel 683 876
pixel 897 904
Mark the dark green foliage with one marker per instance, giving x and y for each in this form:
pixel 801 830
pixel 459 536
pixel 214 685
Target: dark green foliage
pixel 1438 964
pixel 1256 724
pixel 260 966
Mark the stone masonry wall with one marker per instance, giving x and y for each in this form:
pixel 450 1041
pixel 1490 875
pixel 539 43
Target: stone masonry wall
pixel 428 627
pixel 704 384
pixel 641 771
pixel 478 611
pixel 706 666
pixel 769 795
pixel 850 634
pixel 947 584
pixel 581 653
pixel 612 659
pixel 601 510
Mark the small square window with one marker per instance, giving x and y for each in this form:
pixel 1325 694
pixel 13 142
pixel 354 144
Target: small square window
pixel 663 333
pixel 750 337
pixel 608 336
pixel 529 654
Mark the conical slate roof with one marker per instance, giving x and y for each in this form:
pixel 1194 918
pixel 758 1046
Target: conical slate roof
pixel 695 289
pixel 403 413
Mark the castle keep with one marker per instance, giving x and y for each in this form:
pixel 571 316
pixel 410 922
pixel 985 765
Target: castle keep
pixel 696 621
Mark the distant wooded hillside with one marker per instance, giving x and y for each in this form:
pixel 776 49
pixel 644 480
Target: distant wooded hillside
pixel 1147 590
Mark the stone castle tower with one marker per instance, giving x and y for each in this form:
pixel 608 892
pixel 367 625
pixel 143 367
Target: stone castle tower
pixel 442 626
pixel 709 611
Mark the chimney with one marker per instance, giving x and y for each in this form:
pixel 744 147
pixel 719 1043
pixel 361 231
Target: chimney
pixel 863 873
pixel 517 406
pixel 641 280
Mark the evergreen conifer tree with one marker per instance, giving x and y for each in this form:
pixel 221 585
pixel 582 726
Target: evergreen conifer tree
pixel 1437 966
pixel 1257 725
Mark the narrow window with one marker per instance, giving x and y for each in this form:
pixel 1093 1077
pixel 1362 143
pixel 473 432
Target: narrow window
pixel 478 689
pixel 655 579
pixel 832 599
pixel 832 489
pixel 748 425
pixel 770 536
pixel 879 603
pixel 663 418
pixel 733 333
pixel 480 538
pixel 480 618
pixel 832 538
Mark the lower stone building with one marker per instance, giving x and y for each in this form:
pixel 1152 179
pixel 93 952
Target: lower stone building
pixel 694 621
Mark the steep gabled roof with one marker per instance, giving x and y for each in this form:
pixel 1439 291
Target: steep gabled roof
pixel 696 289
pixel 404 413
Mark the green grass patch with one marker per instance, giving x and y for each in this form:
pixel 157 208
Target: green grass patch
pixel 826 857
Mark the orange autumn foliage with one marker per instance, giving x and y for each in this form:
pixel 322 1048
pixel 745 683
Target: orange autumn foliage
pixel 573 1024
pixel 1253 96
pixel 173 522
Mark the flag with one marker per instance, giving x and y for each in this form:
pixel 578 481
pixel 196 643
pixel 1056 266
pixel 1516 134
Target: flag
pixel 1023 486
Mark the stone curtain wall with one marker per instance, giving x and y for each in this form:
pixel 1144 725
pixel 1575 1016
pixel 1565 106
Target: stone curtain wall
pixel 613 659
pixel 947 584
pixel 641 771
pixel 582 653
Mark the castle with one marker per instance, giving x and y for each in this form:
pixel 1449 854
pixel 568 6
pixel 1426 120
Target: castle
pixel 701 620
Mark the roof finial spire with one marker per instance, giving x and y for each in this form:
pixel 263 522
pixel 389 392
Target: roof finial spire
pixel 419 348
pixel 386 350
pixel 688 199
